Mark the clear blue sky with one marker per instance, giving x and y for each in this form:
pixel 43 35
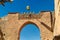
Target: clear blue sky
pixel 20 6
pixel 30 32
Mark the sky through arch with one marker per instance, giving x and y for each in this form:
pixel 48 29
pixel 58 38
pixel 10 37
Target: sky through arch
pixel 30 32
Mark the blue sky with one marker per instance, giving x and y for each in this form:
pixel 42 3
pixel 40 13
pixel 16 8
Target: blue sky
pixel 20 6
pixel 30 32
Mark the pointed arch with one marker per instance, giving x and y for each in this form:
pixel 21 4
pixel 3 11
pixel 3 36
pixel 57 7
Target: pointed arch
pixel 28 22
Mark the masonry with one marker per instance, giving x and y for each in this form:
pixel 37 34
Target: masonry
pixel 12 24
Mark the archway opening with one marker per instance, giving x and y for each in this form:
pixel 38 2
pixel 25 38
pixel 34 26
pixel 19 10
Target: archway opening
pixel 30 32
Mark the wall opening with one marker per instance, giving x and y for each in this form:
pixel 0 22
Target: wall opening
pixel 30 32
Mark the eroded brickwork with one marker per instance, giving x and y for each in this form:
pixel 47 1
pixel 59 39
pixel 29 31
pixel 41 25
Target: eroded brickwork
pixel 12 24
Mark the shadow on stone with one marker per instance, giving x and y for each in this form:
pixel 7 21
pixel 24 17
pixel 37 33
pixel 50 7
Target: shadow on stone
pixel 1 35
pixel 57 37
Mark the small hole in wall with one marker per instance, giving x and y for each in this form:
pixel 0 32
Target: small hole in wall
pixel 4 34
pixel 47 39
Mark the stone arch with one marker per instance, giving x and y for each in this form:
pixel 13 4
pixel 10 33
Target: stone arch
pixel 28 22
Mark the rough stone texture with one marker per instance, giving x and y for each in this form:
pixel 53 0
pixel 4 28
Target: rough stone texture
pixel 57 18
pixel 12 24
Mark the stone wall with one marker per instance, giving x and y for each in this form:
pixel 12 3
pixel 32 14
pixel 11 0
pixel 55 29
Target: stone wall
pixel 12 24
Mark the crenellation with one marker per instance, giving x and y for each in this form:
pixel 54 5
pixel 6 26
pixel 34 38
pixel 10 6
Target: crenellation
pixel 32 15
pixel 29 16
pixel 24 15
